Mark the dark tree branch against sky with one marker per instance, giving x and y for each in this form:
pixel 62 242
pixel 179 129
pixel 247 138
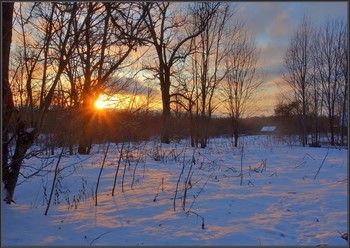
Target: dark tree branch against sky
pixel 273 24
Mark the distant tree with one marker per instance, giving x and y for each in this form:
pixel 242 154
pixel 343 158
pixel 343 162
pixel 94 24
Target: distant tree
pixel 330 62
pixel 242 79
pixel 111 32
pixel 170 29
pixel 297 64
pixel 343 53
pixel 212 48
pixel 287 114
pixel 287 109
pixel 315 95
pixel 202 73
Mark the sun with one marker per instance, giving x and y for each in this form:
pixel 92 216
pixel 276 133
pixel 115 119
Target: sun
pixel 99 104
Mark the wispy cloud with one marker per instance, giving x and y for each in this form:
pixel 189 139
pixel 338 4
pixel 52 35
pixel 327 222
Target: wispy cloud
pixel 272 24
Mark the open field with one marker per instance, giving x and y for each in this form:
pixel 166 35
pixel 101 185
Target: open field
pixel 262 193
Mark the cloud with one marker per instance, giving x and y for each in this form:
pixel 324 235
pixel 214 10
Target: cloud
pixel 273 24
pixel 271 55
pixel 281 26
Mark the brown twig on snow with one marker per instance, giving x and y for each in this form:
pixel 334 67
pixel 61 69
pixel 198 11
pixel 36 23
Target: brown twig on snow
pixel 321 164
pixel 54 180
pixel 99 175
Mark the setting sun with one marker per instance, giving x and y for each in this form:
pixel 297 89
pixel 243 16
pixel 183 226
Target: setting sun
pixel 123 102
pixel 104 102
pixel 100 104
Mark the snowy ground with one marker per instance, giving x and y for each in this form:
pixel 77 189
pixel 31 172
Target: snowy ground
pixel 280 202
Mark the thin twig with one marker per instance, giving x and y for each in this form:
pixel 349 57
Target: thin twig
pixel 188 180
pixel 200 191
pixel 160 185
pixel 306 154
pixel 116 172
pixel 54 180
pixel 137 162
pixel 99 237
pixel 178 181
pixel 242 165
pixel 99 175
pixel 125 164
pixel 203 225
pixel 321 164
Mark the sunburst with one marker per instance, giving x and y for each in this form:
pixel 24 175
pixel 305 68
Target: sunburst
pixel 100 104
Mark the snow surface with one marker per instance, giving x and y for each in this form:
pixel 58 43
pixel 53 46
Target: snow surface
pixel 279 201
pixel 268 129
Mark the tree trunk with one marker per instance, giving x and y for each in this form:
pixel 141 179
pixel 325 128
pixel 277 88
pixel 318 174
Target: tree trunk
pixel 84 144
pixel 70 132
pixel 331 128
pixel 202 131
pixel 342 120
pixel 85 138
pixel 235 131
pixel 7 101
pixel 24 141
pixel 304 135
pixel 235 135
pixel 165 88
pixel 82 148
pixel 303 120
pixel 192 129
pixel 315 119
pixel 165 136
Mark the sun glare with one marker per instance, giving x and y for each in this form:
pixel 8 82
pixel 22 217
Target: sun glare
pixel 100 104
pixel 120 101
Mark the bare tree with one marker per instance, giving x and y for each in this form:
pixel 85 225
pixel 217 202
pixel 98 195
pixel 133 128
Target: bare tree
pixel 203 72
pixel 109 38
pixel 315 66
pixel 212 49
pixel 7 100
pixel 315 94
pixel 188 87
pixel 242 80
pixel 329 63
pixel 297 64
pixel 287 111
pixel 344 57
pixel 38 19
pixel 170 29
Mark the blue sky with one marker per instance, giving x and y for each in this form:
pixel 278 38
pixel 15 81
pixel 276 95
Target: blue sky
pixel 272 24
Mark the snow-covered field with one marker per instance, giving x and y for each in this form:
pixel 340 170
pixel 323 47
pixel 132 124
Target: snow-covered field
pixel 281 199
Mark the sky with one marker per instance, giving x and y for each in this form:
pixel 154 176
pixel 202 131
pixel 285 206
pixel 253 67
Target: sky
pixel 272 24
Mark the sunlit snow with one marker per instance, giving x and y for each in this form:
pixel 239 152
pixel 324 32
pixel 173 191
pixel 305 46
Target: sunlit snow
pixel 280 201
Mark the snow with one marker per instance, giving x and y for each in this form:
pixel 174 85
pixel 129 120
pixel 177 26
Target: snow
pixel 279 201
pixel 30 130
pixel 268 129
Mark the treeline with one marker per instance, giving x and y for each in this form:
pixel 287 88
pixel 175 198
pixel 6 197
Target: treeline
pixel 62 126
pixel 316 68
